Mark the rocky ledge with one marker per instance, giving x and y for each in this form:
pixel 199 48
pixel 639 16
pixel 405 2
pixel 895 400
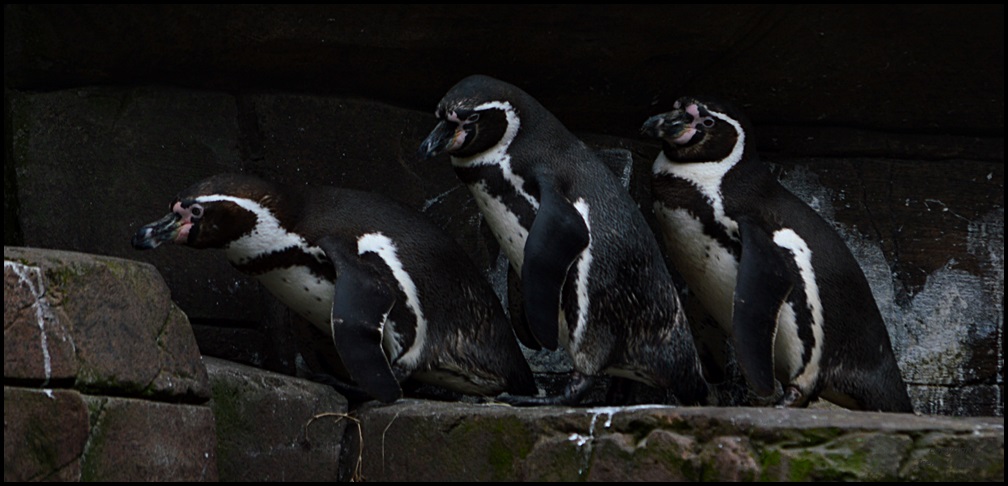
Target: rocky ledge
pixel 103 381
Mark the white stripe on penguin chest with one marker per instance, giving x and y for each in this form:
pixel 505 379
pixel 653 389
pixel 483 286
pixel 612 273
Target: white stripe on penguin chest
pixel 709 268
pixel 305 293
pixel 504 224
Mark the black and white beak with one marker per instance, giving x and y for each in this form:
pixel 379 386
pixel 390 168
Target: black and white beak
pixel 450 134
pixel 679 126
pixel 173 227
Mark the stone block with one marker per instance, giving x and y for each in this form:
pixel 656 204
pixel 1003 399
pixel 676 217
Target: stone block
pixel 128 337
pixel 45 433
pixel 487 442
pixel 38 346
pixel 272 427
pixel 140 440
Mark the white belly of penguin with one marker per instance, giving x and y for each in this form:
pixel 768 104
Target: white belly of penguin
pixel 511 236
pixel 709 269
pixel 504 224
pixel 711 272
pixel 305 293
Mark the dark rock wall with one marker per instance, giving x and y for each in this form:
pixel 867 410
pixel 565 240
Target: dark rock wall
pixel 888 119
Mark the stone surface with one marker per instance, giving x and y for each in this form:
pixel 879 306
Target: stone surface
pixel 272 427
pixel 128 337
pixel 661 443
pixel 45 433
pixel 38 347
pixel 141 440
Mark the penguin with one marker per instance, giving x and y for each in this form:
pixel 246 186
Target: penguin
pixel 397 296
pixel 592 276
pixel 771 271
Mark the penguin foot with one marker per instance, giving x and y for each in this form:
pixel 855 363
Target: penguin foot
pixel 792 397
pixel 625 392
pixel 577 387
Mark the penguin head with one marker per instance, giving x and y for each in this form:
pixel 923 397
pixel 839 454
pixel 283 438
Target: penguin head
pixel 477 115
pixel 209 214
pixel 697 130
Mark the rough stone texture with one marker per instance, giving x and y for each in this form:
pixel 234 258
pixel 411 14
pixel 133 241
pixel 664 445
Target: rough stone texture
pixel 128 336
pixel 265 426
pixel 45 432
pixel 272 427
pixel 141 440
pixel 871 114
pixel 37 343
pixel 660 443
pixel 100 325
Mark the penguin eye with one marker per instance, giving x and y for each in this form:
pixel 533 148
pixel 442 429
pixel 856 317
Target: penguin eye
pixel 708 122
pixel 472 118
pixel 196 210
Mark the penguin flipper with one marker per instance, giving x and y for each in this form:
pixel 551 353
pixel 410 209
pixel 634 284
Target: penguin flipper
pixel 361 302
pixel 761 288
pixel 558 235
pixel 517 312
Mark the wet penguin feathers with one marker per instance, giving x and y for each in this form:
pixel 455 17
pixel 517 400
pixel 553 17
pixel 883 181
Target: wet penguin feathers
pixel 592 276
pixel 774 274
pixel 398 297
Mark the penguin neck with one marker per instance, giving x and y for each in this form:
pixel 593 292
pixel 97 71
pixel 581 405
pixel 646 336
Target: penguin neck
pixel 268 235
pixel 708 176
pixel 496 158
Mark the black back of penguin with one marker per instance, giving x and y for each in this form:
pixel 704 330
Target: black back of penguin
pixel 790 265
pixel 554 201
pixel 466 345
pixel 468 332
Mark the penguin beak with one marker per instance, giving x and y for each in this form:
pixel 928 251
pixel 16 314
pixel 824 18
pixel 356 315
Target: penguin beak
pixel 172 227
pixel 657 125
pixel 670 126
pixel 446 137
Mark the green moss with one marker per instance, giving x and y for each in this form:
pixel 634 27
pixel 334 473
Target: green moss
pixel 770 463
pixel 93 382
pixel 60 276
pixel 801 469
pixel 120 270
pixel 228 412
pixel 506 441
pixel 815 464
